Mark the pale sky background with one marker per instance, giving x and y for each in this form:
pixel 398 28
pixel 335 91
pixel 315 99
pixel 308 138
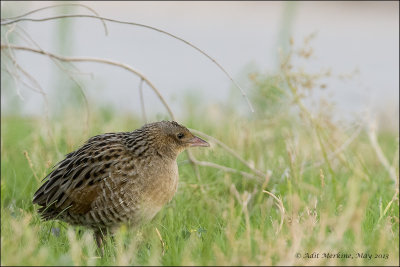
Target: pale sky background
pixel 241 36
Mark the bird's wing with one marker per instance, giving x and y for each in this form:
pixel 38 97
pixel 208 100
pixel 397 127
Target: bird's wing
pixel 77 180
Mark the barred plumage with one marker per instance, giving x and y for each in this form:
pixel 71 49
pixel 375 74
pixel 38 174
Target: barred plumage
pixel 116 178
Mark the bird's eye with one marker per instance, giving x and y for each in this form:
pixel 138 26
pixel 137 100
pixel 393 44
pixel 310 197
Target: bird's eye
pixel 180 135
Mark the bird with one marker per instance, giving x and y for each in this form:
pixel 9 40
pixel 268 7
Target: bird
pixel 116 178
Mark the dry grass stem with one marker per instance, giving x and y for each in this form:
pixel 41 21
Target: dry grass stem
pixel 161 240
pixel 31 165
pixel 231 151
pixel 98 60
pixel 281 208
pixel 226 169
pixel 395 196
pixel 194 161
pixel 381 156
pixel 60 5
pixel 68 73
pixel 142 101
pixel 333 154
pixel 11 21
pixel 244 201
pixel 322 176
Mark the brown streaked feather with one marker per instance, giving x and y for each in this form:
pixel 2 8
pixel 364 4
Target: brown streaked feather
pixel 73 173
pixel 82 199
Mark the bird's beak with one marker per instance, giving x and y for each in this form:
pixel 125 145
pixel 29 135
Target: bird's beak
pixel 196 141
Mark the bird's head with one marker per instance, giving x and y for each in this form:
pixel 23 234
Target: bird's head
pixel 175 137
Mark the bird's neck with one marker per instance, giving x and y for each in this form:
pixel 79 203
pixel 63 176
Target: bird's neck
pixel 167 152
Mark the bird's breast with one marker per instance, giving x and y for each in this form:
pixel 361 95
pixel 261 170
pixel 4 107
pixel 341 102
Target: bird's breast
pixel 160 188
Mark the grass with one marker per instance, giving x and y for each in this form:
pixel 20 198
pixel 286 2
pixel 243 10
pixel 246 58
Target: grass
pixel 336 207
pixel 339 208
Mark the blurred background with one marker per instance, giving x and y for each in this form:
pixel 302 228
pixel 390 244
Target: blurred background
pixel 357 42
